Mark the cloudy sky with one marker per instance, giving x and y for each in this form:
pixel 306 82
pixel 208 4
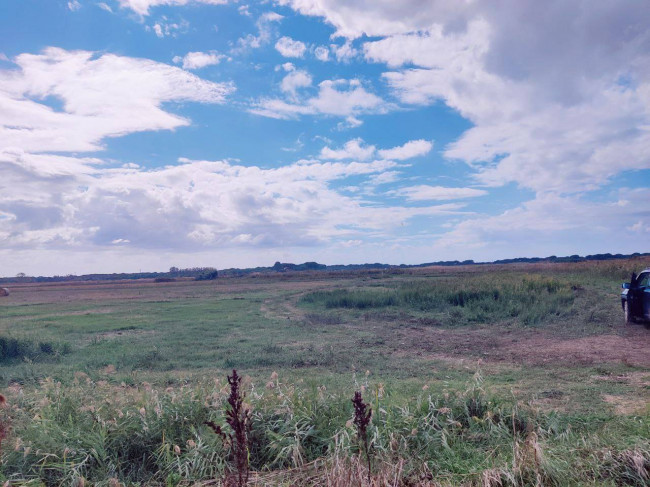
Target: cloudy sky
pixel 144 134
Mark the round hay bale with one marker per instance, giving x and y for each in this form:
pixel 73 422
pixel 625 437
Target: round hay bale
pixel 4 291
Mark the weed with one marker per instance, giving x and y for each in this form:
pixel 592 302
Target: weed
pixel 362 415
pixel 239 419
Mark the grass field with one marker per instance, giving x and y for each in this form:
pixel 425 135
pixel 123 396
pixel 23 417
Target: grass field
pixel 481 375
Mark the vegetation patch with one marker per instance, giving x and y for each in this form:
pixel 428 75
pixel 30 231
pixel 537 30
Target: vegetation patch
pixel 93 432
pixel 14 349
pixel 481 298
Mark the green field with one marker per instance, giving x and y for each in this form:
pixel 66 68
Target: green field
pixel 479 375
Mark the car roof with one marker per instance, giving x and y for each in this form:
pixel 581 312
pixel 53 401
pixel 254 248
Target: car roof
pixel 645 270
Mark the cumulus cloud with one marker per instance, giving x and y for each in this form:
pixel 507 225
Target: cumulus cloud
pixel 412 148
pixel 294 80
pixel 141 7
pixel 340 97
pixel 197 60
pixel 322 53
pixel 353 149
pixel 264 26
pixel 191 205
pixel 358 149
pixel 344 52
pixel 379 18
pixel 549 111
pixel 101 95
pixel 289 47
pixel 553 118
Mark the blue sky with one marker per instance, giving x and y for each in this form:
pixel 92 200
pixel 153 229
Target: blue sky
pixel 144 134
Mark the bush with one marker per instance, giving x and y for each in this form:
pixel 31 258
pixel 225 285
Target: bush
pixel 207 275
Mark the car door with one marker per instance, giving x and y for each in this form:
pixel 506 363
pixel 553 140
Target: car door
pixel 636 293
pixel 643 295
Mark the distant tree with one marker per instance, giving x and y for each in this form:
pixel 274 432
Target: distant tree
pixel 207 275
pixel 20 274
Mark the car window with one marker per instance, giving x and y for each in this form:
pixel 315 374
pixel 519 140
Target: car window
pixel 643 280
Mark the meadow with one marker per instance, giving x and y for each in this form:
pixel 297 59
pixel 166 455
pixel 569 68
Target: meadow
pixel 519 374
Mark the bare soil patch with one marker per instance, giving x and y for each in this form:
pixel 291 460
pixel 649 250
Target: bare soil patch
pixel 626 405
pixel 530 347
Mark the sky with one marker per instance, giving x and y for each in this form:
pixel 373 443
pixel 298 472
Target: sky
pixel 137 135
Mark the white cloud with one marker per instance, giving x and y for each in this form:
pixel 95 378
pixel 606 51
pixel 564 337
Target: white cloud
pixel 353 149
pixel 379 18
pixel 295 79
pixel 552 224
pixel 548 108
pixel 350 122
pixel 101 96
pixel 352 19
pixel 432 193
pixel 264 26
pixel 197 60
pixel 105 6
pixel 344 52
pixel 357 149
pixel 74 5
pixel 385 177
pixel 322 53
pixel 289 47
pixel 413 148
pixel 169 29
pixel 640 227
pixel 335 97
pixel 549 116
pixel 65 202
pixel 142 7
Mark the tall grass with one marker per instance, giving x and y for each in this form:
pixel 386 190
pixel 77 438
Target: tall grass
pixel 93 431
pixel 17 348
pixel 474 298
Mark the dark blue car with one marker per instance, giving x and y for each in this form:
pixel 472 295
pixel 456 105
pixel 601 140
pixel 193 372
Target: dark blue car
pixel 635 297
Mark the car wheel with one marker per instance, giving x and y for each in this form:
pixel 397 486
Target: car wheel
pixel 628 316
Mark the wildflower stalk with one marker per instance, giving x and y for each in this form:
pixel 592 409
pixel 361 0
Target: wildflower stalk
pixel 362 415
pixel 238 418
